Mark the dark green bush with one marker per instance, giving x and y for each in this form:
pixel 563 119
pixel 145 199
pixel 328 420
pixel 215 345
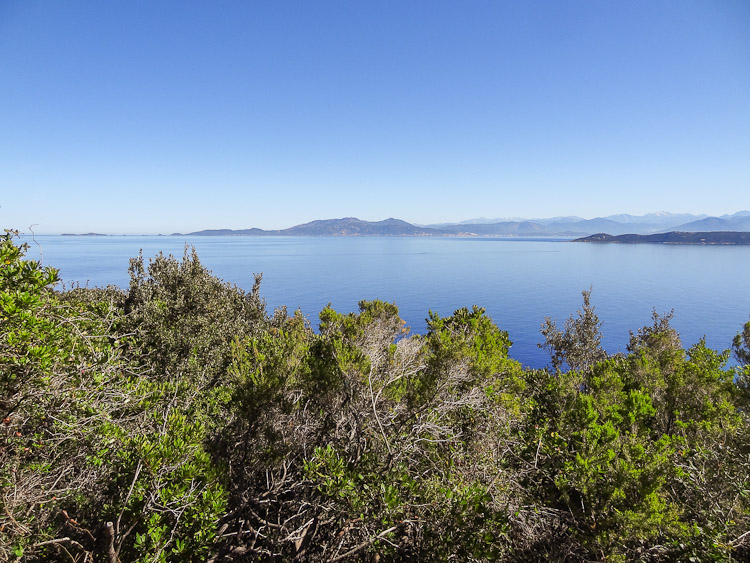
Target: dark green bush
pixel 185 318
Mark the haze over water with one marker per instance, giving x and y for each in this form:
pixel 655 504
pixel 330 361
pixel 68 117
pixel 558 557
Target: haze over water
pixel 518 282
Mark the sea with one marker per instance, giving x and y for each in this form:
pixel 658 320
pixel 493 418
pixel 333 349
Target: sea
pixel 517 281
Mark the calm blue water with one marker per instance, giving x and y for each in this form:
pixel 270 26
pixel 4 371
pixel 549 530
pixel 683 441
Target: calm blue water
pixel 519 282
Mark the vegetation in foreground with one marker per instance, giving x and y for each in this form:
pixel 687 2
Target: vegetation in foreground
pixel 180 421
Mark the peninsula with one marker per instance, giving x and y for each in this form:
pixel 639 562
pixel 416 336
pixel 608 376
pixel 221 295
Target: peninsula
pixel 672 237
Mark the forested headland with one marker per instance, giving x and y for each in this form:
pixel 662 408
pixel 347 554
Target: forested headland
pixel 180 420
pixel 672 237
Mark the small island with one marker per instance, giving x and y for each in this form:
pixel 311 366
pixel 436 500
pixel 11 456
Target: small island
pixel 673 237
pixel 83 235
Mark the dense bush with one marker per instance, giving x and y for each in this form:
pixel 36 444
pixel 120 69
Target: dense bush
pixel 179 421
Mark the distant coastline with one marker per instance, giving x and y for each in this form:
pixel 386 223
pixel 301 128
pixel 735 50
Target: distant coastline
pixel 672 237
pixel 568 227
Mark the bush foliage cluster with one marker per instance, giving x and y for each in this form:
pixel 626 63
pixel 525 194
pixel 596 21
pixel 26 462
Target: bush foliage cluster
pixel 179 421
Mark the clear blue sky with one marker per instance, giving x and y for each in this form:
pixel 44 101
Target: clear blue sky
pixel 148 117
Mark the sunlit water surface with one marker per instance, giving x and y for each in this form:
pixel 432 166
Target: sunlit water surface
pixel 518 282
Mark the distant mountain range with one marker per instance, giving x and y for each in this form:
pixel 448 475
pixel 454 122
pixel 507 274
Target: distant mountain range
pixel 346 227
pixel 652 223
